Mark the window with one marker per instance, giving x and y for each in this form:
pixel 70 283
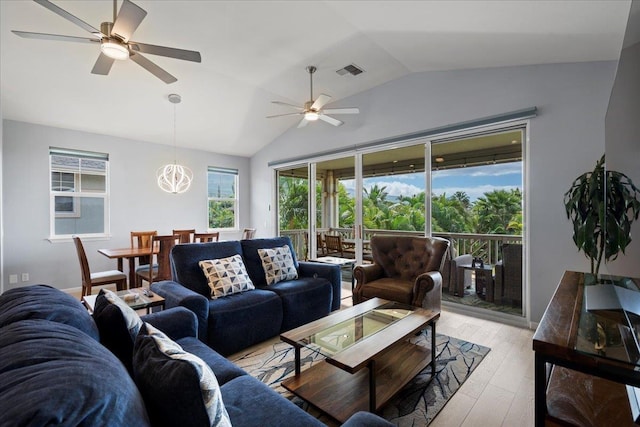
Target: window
pixel 223 198
pixel 79 193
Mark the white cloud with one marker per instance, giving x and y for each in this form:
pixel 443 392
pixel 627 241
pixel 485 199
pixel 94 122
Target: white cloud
pixel 396 188
pixel 487 170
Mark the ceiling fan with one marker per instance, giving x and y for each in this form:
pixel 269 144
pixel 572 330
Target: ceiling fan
pixel 115 40
pixel 313 110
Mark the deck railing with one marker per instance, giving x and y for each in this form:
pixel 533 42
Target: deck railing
pixel 485 246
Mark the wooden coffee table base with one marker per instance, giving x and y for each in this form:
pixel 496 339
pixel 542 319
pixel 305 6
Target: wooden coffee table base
pixel 341 394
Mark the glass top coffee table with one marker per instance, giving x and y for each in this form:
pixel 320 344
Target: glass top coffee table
pixel 372 335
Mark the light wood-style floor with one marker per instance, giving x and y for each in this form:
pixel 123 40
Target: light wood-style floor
pixel 500 391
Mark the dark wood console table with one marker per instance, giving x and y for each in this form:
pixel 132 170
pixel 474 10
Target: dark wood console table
pixel 572 386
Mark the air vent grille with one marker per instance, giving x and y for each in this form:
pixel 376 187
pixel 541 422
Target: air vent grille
pixel 352 69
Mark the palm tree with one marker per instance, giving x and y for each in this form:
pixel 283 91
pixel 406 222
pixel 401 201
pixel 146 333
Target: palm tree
pixel 496 209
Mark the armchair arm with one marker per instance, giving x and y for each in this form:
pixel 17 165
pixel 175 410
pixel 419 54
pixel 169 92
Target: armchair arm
pixel 177 322
pixel 498 290
pixel 363 275
pixel 366 419
pixel 427 291
pixel 176 295
pixel 330 272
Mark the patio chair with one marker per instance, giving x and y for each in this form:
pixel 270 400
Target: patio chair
pixel 508 288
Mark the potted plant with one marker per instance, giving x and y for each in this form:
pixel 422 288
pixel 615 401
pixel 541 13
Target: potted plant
pixel 602 205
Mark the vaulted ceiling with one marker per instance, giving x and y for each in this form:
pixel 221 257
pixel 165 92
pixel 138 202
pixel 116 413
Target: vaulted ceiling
pixel 255 52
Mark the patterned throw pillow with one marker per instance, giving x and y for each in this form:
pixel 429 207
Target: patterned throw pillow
pixel 226 276
pixel 278 264
pixel 178 387
pixel 131 318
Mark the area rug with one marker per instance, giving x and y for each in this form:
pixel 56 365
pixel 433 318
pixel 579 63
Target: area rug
pixel 415 405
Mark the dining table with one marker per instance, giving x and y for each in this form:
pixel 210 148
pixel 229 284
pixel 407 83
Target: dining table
pixel 130 254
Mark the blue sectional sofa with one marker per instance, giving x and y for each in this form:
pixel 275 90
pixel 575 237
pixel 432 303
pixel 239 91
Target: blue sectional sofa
pixel 55 371
pixel 234 322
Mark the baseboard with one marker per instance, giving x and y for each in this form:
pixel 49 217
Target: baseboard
pixel 495 316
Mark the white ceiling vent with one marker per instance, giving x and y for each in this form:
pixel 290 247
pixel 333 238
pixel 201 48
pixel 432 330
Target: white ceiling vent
pixel 352 69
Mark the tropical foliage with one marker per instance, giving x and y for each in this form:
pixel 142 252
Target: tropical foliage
pixel 496 212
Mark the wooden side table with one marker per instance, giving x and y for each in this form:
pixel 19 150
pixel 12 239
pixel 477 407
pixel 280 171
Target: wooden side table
pixel 142 302
pixel 575 385
pixel 484 280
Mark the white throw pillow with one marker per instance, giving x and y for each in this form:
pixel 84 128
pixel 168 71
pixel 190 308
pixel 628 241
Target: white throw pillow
pixel 226 276
pixel 278 264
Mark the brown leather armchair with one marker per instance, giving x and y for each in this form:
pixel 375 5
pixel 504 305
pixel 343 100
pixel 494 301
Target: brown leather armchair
pixel 405 269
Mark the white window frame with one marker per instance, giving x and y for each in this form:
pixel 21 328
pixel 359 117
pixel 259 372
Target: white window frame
pixel 233 200
pixel 76 193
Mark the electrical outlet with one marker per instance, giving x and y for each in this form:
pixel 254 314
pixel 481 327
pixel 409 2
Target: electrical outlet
pixel 13 279
pixel 25 277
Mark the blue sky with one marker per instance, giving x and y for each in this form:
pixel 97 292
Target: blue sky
pixel 475 181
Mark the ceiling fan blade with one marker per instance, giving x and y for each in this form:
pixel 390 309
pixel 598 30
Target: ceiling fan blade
pixel 103 65
pixel 320 101
pixel 129 18
pixel 288 105
pixel 44 36
pixel 171 52
pixel 341 111
pixel 69 17
pixel 152 68
pixel 330 120
pixel 302 123
pixel 283 115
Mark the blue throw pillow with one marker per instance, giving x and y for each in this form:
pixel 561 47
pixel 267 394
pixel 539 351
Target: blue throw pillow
pixel 45 302
pixel 118 325
pixel 179 388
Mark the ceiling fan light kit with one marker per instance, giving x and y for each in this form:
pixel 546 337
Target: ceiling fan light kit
pixel 172 177
pixel 114 49
pixel 313 109
pixel 115 40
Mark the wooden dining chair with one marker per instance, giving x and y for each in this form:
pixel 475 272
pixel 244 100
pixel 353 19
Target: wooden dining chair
pixel 248 233
pixel 206 237
pixel 186 236
pixel 162 269
pixel 99 278
pixel 142 239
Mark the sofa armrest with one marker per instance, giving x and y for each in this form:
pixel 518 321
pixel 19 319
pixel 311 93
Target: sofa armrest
pixel 427 291
pixel 366 419
pixel 330 272
pixel 176 295
pixel 365 274
pixel 177 322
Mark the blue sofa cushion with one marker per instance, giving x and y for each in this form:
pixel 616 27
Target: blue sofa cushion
pixel 240 320
pixel 45 302
pixel 185 258
pixel 253 260
pixel 118 325
pixel 53 374
pixel 179 388
pixel 303 300
pixel 267 408
pixel 221 366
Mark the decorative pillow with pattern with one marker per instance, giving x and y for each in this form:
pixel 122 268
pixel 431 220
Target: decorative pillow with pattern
pixel 179 388
pixel 278 264
pixel 226 276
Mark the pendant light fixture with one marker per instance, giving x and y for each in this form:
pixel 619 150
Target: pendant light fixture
pixel 174 178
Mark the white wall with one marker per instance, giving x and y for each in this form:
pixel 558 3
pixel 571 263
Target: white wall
pixel 566 139
pixel 623 146
pixel 136 201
